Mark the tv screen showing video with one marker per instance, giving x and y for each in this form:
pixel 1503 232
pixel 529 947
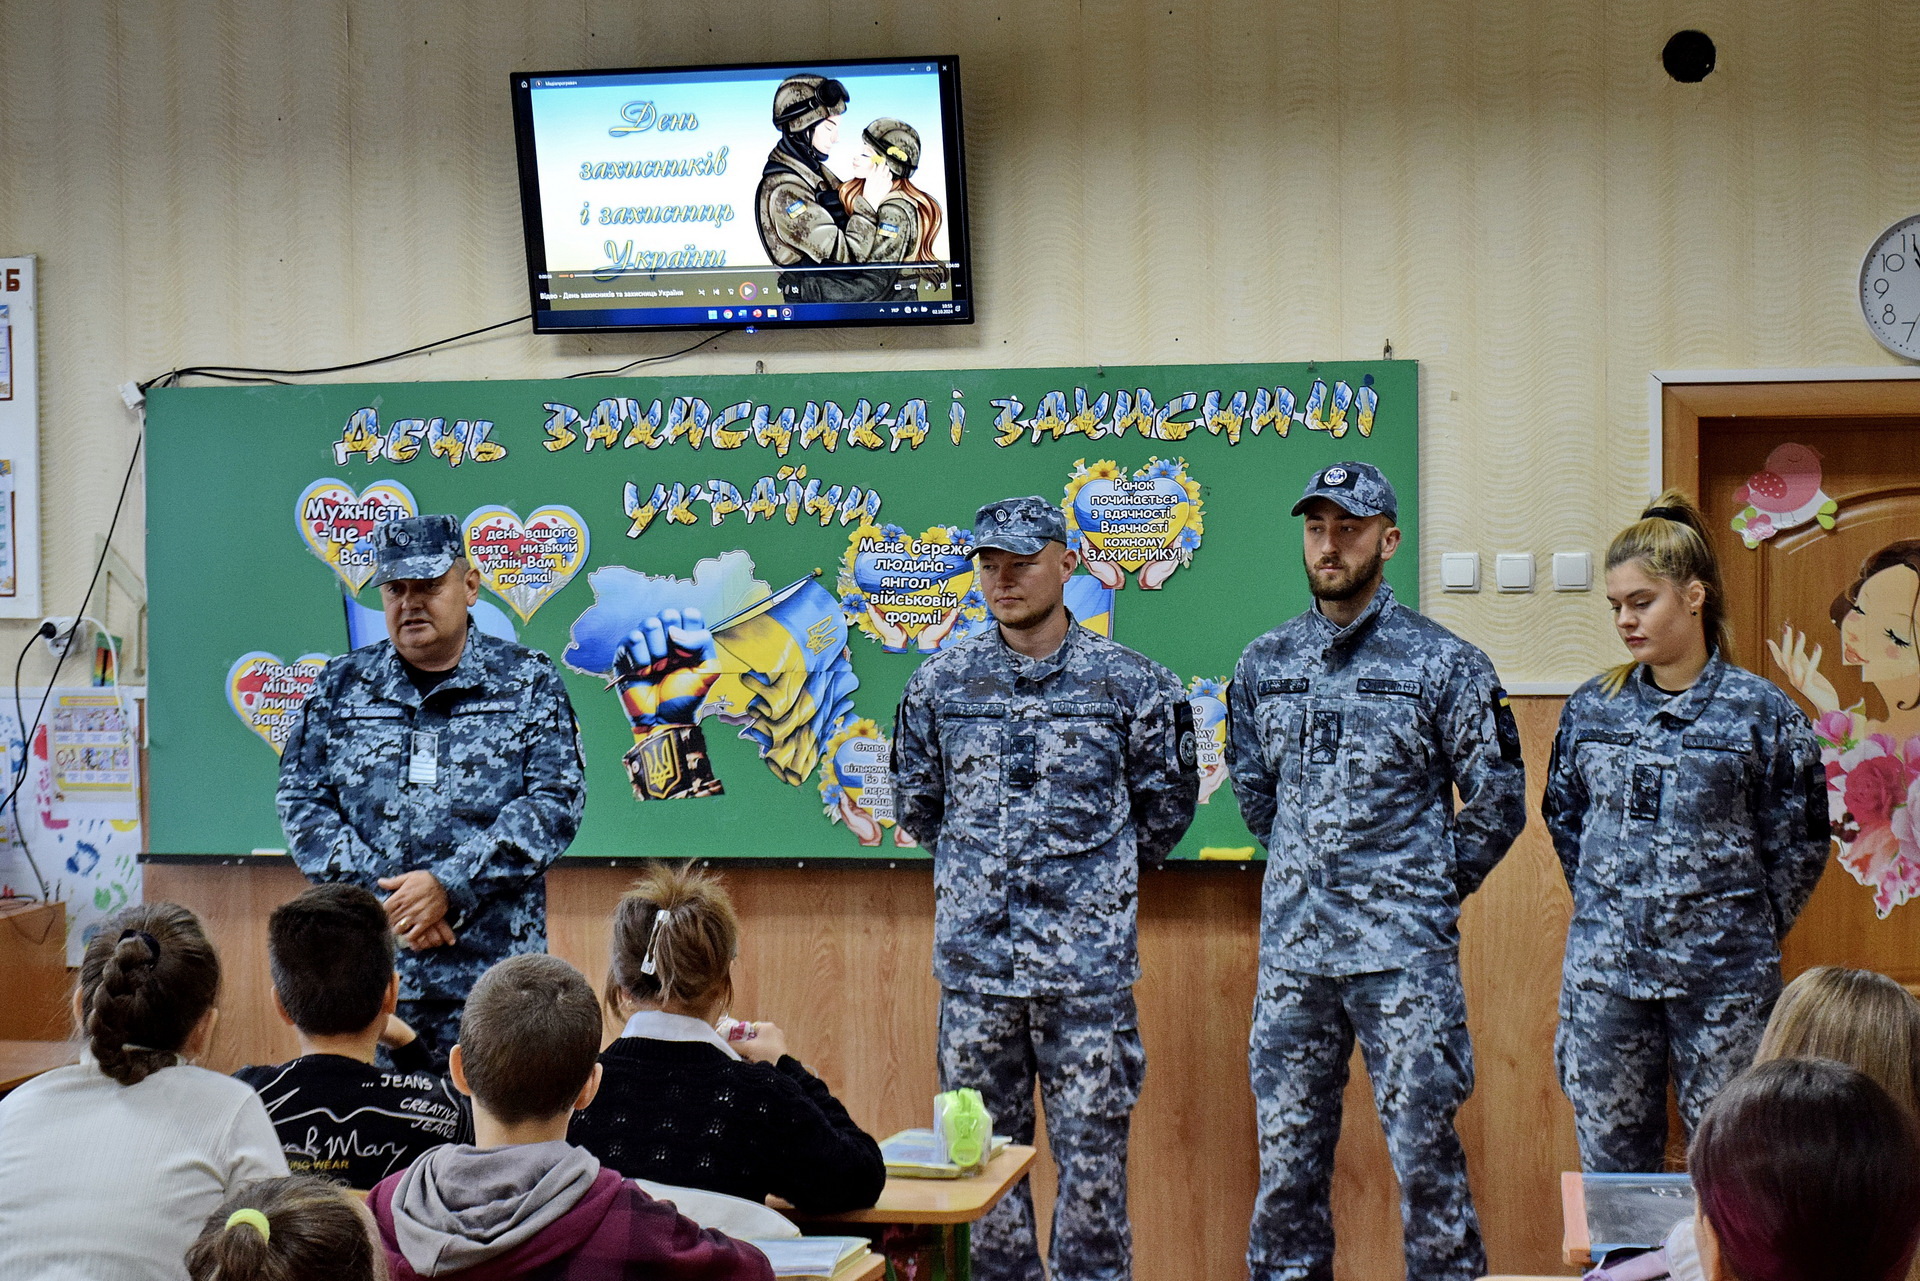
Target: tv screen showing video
pixel 794 194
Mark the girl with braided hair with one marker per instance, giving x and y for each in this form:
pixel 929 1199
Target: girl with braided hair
pixel 108 1166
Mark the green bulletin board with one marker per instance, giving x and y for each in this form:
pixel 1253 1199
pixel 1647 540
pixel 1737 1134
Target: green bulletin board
pixel 816 520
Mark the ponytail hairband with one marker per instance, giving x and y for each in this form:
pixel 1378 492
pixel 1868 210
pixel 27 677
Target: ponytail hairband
pixel 1673 514
pixel 649 964
pixel 153 944
pixel 253 1219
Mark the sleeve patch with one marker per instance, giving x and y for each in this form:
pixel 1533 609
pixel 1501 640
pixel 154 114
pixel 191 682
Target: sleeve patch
pixel 1185 744
pixel 1506 727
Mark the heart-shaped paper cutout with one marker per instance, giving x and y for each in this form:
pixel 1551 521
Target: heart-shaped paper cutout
pixel 268 694
pixel 338 523
pixel 525 563
pixel 1148 519
pixel 901 590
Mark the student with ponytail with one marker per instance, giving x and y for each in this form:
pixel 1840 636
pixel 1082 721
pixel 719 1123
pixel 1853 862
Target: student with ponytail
pixel 106 1167
pixel 1688 806
pixel 295 1229
pixel 682 1103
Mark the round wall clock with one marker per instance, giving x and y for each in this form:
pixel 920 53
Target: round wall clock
pixel 1890 288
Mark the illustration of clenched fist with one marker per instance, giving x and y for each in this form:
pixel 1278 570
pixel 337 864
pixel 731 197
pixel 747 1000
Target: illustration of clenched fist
pixel 665 667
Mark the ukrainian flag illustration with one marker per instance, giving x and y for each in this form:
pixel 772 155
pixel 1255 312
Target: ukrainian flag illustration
pixel 786 678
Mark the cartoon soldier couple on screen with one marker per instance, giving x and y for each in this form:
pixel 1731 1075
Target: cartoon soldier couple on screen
pixel 832 236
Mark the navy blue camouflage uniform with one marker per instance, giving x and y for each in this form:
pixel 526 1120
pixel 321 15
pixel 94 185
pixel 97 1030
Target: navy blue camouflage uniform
pixel 1040 786
pixel 505 804
pixel 1692 827
pixel 1344 748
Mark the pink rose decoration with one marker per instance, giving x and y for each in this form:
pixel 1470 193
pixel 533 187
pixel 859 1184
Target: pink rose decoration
pixel 1871 858
pixel 1906 821
pixel 1760 527
pixel 1874 787
pixel 1834 727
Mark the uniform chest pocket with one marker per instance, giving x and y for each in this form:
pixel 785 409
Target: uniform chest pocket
pixel 1604 760
pixel 1382 732
pixel 364 735
pixel 1078 744
pixel 1715 772
pixel 972 734
pixel 1277 715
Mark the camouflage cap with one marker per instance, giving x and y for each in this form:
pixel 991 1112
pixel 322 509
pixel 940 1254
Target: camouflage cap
pixel 1358 488
pixel 1018 525
pixel 415 547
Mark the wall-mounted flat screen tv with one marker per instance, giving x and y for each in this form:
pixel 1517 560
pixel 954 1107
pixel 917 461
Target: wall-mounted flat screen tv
pixel 742 196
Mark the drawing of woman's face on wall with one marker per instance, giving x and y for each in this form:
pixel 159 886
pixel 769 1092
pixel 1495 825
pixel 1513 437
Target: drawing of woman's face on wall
pixel 1878 632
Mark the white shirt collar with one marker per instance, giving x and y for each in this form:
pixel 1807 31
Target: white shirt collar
pixel 658 1025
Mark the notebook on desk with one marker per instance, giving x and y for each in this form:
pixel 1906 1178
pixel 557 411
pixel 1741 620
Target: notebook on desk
pixel 1634 1209
pixel 807 1258
pixel 916 1154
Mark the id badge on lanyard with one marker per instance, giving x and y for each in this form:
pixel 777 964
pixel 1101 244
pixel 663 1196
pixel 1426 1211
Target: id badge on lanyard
pixel 423 759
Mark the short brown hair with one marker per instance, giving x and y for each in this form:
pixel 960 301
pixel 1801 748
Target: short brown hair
pixel 1856 1017
pixel 146 979
pixel 692 945
pixel 330 950
pixel 529 1038
pixel 315 1233
pixel 1808 1171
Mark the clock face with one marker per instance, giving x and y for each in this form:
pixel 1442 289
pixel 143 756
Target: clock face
pixel 1890 288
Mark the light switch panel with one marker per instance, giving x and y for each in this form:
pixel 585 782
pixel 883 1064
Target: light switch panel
pixel 1573 571
pixel 1513 571
pixel 1460 571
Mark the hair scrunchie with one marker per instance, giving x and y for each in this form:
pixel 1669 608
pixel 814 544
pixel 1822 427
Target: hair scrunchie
pixel 1673 514
pixel 253 1219
pixel 153 944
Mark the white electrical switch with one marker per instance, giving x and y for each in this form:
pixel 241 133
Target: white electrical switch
pixel 1573 571
pixel 1513 571
pixel 1460 571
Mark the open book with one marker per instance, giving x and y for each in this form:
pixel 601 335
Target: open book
pixel 916 1154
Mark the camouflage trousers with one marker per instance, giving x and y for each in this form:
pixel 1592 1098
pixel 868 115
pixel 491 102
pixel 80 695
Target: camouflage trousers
pixel 1614 1055
pixel 1412 1028
pixel 1085 1052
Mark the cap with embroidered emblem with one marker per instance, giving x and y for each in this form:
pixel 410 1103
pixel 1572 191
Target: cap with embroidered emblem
pixel 1018 525
pixel 415 547
pixel 1358 488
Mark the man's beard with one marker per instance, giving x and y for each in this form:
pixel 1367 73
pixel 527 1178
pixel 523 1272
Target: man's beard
pixel 1348 585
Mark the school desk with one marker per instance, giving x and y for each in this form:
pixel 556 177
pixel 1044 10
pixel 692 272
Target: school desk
pixel 1576 1247
pixel 21 1061
pixel 952 1205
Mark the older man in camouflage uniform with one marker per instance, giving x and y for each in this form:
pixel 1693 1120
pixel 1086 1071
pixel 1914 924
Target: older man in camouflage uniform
pixel 1041 763
pixel 1692 828
pixel 442 766
pixel 1350 727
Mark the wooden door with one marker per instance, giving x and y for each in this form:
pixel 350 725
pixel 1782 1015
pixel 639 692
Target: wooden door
pixel 1871 469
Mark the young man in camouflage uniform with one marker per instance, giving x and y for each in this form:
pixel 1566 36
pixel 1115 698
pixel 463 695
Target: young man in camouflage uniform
pixel 1350 727
pixel 1041 763
pixel 441 767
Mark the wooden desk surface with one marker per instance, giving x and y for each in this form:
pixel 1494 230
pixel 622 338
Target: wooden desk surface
pixel 940 1200
pixel 868 1267
pixel 1576 1247
pixel 21 1061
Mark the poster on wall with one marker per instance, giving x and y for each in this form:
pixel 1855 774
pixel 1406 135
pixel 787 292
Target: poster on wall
pixel 19 440
pixel 87 855
pixel 794 545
